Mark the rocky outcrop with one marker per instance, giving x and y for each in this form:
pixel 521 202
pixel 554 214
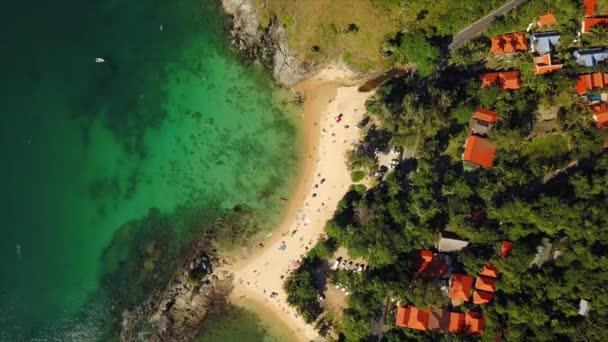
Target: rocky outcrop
pixel 268 44
pixel 177 313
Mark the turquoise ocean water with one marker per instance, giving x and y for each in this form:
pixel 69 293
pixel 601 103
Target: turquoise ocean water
pixel 110 169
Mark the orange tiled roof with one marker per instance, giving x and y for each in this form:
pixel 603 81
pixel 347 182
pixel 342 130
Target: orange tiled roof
pixel 508 43
pixel 426 257
pixel 456 321
pixel 413 318
pixel 547 19
pixel 505 248
pixel 544 65
pixel 510 80
pixel 489 271
pixel 479 151
pixel 504 80
pixel 589 23
pixel 486 115
pixel 482 297
pixel 587 82
pixel 461 287
pixel 601 115
pixel 485 284
pixel 589 7
pixel 474 322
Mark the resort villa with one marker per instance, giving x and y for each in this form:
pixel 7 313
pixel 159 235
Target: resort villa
pixel 590 57
pixel 587 82
pixel 460 288
pixel 600 115
pixel 439 320
pixel 449 242
pixel 505 80
pixel 509 43
pixel 478 152
pixel 542 45
pixel 590 19
pixel 483 120
pixel 544 42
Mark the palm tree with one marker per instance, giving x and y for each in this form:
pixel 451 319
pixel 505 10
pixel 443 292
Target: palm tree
pixel 599 34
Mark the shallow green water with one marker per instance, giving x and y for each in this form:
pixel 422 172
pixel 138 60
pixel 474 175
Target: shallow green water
pixel 171 121
pixel 234 324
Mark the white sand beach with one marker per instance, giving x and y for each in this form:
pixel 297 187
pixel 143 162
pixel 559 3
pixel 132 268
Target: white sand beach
pixel 324 181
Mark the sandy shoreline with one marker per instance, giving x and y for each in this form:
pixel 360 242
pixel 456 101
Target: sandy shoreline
pixel 258 273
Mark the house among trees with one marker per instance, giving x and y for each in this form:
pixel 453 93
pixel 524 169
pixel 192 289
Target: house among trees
pixel 489 271
pixel 589 7
pixel 544 42
pixel 439 320
pixel 444 321
pixel 509 43
pixel 589 23
pixel 587 82
pixel 590 57
pixel 485 284
pixel 505 80
pixel 460 288
pixel 546 64
pixel 474 322
pixel 450 242
pixel 590 20
pixel 505 248
pixel 483 120
pixel 478 152
pixel 600 115
pixel 413 318
pixel 482 297
pixel 546 19
pixel 433 265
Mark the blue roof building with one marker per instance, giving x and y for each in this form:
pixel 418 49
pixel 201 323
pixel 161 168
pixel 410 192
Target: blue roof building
pixel 544 42
pixel 591 57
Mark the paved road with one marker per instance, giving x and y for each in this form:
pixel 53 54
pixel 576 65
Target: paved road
pixel 480 25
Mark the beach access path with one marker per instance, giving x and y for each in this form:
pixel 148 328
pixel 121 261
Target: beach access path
pixel 259 274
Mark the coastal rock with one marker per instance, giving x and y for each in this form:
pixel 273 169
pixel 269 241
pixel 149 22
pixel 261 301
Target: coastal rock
pixel 177 313
pixel 268 45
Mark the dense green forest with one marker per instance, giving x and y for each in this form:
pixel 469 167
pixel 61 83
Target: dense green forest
pixel 549 182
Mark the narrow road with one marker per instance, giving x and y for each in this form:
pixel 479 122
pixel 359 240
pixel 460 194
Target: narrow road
pixel 480 25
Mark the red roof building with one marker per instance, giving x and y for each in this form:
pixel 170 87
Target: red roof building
pixel 589 7
pixel 545 64
pixel 505 248
pixel 546 19
pixel 474 322
pixel 482 297
pixel 489 271
pixel 486 115
pixel 426 256
pixel 483 120
pixel 478 152
pixel 506 80
pixel 589 23
pixel 413 318
pixel 460 287
pixel 456 321
pixel 485 284
pixel 509 43
pixel 587 82
pixel 600 115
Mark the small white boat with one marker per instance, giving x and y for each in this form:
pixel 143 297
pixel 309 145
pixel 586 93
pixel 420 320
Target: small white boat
pixel 99 60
